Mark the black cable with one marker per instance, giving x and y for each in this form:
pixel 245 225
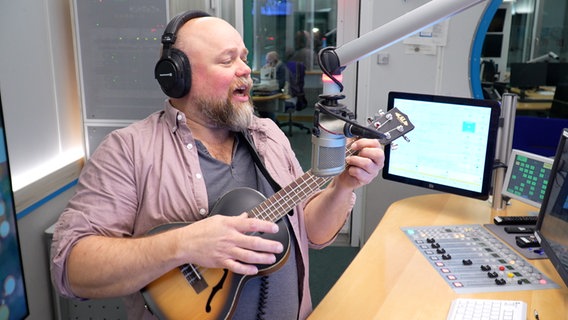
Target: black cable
pixel 345 115
pixel 328 58
pixel 261 310
pixel 499 164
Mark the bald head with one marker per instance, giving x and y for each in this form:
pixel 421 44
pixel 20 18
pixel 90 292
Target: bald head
pixel 220 75
pixel 207 33
pixel 272 58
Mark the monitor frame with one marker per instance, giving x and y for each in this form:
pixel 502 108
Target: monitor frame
pixel 557 73
pixel 494 109
pixel 526 75
pixel 546 207
pixel 507 181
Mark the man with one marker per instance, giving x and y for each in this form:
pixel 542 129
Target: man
pixel 278 73
pixel 273 61
pixel 172 167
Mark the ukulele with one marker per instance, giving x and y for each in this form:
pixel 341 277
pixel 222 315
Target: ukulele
pixel 193 292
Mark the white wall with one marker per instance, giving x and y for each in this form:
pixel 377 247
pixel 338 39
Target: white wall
pixel 445 73
pixel 35 254
pixel 43 121
pixel 38 86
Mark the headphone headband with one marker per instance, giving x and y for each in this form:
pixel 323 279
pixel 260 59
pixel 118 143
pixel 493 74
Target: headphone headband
pixel 173 70
pixel 169 36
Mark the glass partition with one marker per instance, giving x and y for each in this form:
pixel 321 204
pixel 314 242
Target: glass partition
pixel 294 31
pixel 517 32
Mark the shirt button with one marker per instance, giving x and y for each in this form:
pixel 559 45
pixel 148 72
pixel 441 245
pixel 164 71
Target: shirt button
pixel 202 211
pixel 189 146
pixel 179 117
pixel 174 128
pixel 198 175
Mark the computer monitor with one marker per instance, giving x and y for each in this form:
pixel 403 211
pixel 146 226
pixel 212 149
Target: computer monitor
pixel 451 149
pixel 492 46
pixel 557 73
pixel 552 225
pixel 13 301
pixel 527 177
pixel 528 75
pixel 498 22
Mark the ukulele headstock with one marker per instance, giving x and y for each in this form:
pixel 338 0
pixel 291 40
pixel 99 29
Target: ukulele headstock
pixel 393 124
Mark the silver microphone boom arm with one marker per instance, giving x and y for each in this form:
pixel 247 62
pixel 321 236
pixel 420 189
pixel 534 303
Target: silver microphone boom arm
pixel 332 120
pixel 391 32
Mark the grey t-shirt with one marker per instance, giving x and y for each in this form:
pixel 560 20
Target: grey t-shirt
pixel 280 294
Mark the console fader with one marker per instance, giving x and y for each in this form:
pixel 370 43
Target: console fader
pixel 472 260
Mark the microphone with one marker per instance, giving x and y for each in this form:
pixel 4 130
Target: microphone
pixel 328 146
pixel 333 123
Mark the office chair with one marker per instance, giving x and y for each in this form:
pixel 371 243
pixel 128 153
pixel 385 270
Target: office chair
pixel 297 100
pixel 489 71
pixel 489 76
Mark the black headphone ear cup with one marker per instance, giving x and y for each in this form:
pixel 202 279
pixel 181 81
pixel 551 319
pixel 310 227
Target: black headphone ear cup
pixel 173 70
pixel 173 73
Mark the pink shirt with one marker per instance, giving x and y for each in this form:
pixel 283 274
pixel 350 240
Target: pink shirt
pixel 148 174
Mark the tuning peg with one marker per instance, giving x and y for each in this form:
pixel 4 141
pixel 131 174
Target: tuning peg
pixel 381 113
pixel 394 146
pixel 406 138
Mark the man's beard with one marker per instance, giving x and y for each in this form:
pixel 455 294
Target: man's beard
pixel 225 113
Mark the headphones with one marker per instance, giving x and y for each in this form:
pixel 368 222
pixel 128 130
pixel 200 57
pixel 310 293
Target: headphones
pixel 173 70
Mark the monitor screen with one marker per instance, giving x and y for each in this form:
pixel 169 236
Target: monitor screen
pixel 552 226
pixel 492 46
pixel 527 177
pixel 528 75
pixel 451 149
pixel 275 8
pixel 13 301
pixel 498 22
pixel 557 73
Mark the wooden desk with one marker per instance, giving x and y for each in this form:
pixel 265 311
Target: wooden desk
pixel 527 105
pixel 271 103
pixel 268 98
pixel 535 100
pixel 391 279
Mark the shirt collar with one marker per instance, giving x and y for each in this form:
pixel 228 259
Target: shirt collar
pixel 174 117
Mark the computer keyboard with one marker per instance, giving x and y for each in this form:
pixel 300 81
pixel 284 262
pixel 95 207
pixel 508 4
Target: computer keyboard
pixel 486 309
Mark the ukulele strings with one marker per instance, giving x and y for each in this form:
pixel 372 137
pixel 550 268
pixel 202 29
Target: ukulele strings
pixel 263 211
pixel 278 205
pixel 312 182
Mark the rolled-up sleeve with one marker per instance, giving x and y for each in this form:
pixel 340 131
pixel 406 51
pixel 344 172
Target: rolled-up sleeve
pixel 104 204
pixel 64 239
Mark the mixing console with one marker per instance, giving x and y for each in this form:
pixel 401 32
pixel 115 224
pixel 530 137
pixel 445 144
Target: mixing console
pixel 472 260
